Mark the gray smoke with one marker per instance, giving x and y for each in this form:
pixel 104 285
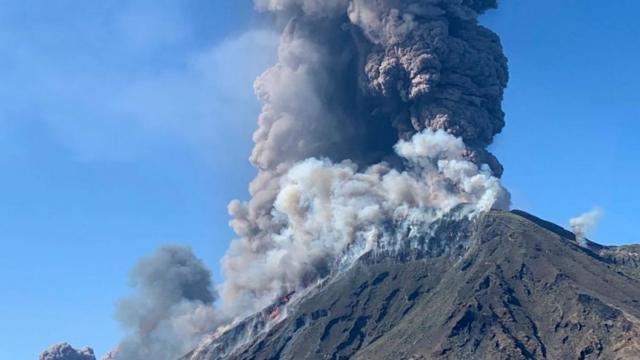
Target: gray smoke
pixel 584 224
pixel 171 309
pixel 377 111
pixel 65 351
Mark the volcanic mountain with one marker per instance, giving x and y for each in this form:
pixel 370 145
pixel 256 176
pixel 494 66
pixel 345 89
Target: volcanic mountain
pixel 505 285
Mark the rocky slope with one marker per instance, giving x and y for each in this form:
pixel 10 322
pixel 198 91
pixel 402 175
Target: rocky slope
pixel 506 286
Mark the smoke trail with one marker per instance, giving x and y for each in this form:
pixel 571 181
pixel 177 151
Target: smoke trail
pixel 584 224
pixel 172 309
pixel 377 112
pixel 64 351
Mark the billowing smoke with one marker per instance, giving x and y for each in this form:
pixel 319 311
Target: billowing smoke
pixel 586 223
pixel 378 112
pixel 65 351
pixel 375 124
pixel 355 75
pixel 171 309
pixel 330 213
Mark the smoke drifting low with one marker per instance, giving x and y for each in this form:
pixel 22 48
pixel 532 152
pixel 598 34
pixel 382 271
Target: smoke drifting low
pixel 172 308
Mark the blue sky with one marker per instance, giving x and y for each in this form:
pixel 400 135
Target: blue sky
pixel 127 124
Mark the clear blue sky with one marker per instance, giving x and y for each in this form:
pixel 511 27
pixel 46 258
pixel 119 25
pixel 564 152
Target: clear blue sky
pixel 126 124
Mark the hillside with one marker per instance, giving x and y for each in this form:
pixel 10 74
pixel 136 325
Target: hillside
pixel 506 286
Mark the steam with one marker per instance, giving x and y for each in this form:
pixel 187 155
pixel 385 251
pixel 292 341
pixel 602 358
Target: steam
pixel 172 309
pixel 330 213
pixel 586 223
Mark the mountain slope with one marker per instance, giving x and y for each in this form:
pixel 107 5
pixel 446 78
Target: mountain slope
pixel 506 286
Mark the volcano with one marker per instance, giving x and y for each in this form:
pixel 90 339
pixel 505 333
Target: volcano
pixel 505 285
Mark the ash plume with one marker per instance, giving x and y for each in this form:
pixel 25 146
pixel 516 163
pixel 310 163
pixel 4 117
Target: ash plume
pixel 354 76
pixel 584 224
pixel 65 351
pixel 375 124
pixel 172 308
pixel 377 112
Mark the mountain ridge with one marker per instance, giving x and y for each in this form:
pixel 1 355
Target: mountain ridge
pixel 507 285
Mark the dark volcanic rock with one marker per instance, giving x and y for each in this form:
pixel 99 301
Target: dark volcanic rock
pixel 66 352
pixel 513 287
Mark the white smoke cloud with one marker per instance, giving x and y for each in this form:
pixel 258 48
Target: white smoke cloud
pixel 583 225
pixel 328 214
